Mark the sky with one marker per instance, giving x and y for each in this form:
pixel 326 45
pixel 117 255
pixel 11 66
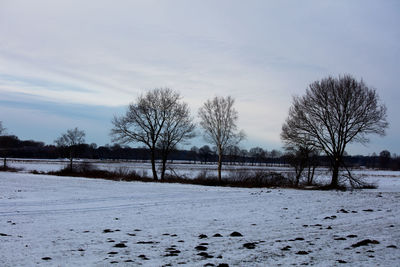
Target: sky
pixel 69 63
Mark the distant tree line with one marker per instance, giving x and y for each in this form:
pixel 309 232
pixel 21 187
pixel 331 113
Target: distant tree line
pixel 13 147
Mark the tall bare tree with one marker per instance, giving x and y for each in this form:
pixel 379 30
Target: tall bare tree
pixel 218 119
pixel 333 113
pixel 158 119
pixel 70 140
pixel 178 127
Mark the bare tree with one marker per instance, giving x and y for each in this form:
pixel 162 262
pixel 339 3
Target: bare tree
pixel 257 155
pixel 70 140
pixel 302 158
pixel 158 119
pixel 178 127
pixel 333 113
pixel 218 118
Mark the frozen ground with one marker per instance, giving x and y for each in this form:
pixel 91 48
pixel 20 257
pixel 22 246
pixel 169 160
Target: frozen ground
pixel 63 221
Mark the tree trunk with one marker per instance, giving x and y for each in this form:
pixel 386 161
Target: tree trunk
pixel 335 173
pixel 219 165
pixel 153 163
pixel 71 158
pixel 164 165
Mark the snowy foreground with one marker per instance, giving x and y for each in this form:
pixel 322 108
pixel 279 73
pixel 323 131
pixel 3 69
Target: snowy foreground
pixel 63 221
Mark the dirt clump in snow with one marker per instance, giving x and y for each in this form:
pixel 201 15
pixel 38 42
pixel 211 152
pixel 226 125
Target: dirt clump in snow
pixel 365 242
pixel 201 248
pixel 120 245
pixel 205 255
pixel 249 245
pixel 143 257
pixel 235 234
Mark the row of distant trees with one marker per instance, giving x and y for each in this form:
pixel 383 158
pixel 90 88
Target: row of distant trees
pixel 13 147
pixel 333 113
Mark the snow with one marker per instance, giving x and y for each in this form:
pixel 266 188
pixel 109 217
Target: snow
pixel 184 169
pixel 64 218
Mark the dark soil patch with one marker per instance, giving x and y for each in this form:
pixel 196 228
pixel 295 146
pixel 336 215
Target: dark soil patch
pixel 120 245
pixel 369 210
pixel 391 246
pixel 147 242
pixel 143 257
pixel 2 234
pixel 287 248
pixel 202 236
pixel 249 245
pixel 128 261
pixel 235 234
pixel 223 265
pixel 299 239
pixel 365 242
pixel 131 234
pixel 205 255
pixel 217 235
pixel 108 231
pixel 341 261
pixel 201 248
pixel 46 258
pixel 352 236
pixel 302 252
pixel 112 253
pixel 340 238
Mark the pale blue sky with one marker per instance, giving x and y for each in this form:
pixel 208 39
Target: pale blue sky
pixel 76 63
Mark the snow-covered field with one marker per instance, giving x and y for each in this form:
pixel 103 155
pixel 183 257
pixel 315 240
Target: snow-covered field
pixel 183 169
pixel 65 221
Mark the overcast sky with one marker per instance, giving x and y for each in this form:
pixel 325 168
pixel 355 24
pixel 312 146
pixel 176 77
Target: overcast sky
pixel 77 63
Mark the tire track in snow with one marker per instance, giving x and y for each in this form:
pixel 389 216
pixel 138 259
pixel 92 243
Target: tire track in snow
pixel 186 201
